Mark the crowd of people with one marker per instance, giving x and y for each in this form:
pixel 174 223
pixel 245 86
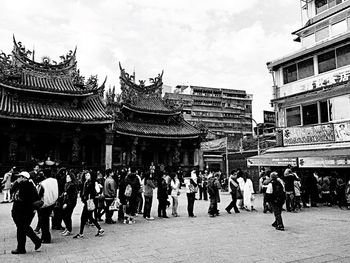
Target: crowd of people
pixel 129 193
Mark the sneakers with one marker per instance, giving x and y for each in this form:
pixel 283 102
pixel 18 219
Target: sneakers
pixel 78 236
pixel 281 228
pixel 37 245
pixel 228 211
pixel 66 233
pixel 100 232
pixel 150 218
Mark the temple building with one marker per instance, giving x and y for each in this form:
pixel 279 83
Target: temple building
pixel 49 113
pixel 150 129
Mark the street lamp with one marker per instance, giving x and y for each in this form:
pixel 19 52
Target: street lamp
pixel 257 128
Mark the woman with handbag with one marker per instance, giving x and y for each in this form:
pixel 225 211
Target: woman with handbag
pixel 87 197
pixel 70 196
pixel 175 192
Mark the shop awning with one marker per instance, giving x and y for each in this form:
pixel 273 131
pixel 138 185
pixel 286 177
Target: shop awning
pixel 309 156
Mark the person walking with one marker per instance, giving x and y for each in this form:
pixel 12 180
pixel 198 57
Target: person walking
pixel 6 182
pixel 275 194
pixel 148 187
pixel 191 190
pixel 233 188
pixel 240 194
pixel 175 192
pixel 214 194
pixel 24 195
pixel 248 197
pixel 110 193
pixel 70 196
pixel 88 193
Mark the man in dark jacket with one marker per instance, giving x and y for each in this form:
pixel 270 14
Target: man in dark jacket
pixel 134 182
pixel 275 194
pixel 233 187
pixel 24 195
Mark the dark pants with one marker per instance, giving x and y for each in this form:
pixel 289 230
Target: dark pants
pixel 67 216
pixel 191 197
pixel 109 214
pixel 57 217
pixel 45 223
pixel 131 208
pixel 148 206
pixel 139 203
pixel 233 203
pixel 277 211
pixel 162 203
pixel 200 190
pixel 85 216
pixel 289 201
pixel 23 220
pixel 213 207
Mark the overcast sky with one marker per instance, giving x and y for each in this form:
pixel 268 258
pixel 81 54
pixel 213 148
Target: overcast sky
pixel 223 44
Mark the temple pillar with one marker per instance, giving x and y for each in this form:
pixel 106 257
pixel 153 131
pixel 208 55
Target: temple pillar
pixel 133 151
pixel 185 158
pixel 12 150
pixel 200 159
pixel 108 145
pixel 76 145
pixel 176 156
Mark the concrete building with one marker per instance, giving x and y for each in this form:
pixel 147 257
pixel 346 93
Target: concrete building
pixel 224 112
pixel 312 94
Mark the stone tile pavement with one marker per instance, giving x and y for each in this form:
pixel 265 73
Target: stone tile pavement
pixel 314 235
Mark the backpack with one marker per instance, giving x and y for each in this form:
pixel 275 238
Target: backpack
pixel 50 186
pixel 128 190
pixel 278 193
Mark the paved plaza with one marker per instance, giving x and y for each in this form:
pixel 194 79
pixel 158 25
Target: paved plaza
pixel 314 235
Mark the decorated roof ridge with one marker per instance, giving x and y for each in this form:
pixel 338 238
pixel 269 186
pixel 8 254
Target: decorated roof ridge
pixel 156 83
pixel 20 53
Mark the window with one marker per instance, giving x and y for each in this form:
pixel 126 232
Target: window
pixel 324 111
pixel 293 116
pixel 339 28
pixel 326 61
pixel 310 114
pixel 322 34
pixel 321 5
pixel 339 108
pixel 306 68
pixel 343 56
pixel 290 74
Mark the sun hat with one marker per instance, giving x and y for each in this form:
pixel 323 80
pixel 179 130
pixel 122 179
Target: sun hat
pixel 24 174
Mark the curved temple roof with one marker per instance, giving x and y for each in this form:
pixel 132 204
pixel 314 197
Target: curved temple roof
pixel 90 111
pixel 180 130
pixel 144 98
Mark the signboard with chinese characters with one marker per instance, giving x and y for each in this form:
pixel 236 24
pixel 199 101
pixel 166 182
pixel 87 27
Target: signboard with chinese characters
pixel 324 162
pixel 269 117
pixel 308 135
pixel 271 161
pixel 322 80
pixel 214 145
pixel 342 131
